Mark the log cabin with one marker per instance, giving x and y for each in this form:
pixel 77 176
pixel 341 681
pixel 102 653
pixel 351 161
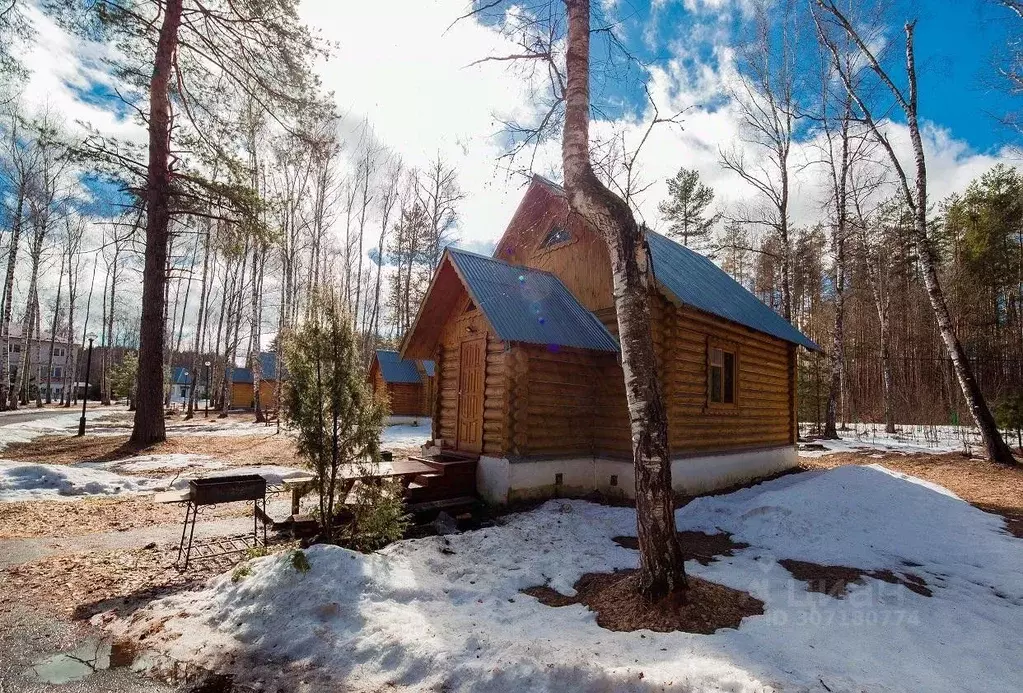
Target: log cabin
pixel 407 385
pixel 529 375
pixel 242 392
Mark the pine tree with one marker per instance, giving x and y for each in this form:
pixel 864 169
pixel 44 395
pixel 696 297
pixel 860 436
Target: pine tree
pixel 329 404
pixel 686 208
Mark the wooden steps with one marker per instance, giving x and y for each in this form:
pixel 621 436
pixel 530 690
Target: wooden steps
pixel 453 477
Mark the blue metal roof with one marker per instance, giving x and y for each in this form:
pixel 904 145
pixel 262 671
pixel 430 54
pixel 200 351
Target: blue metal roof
pixel 696 281
pixel 180 376
pixel 267 359
pixel 394 369
pixel 528 305
pixel 430 368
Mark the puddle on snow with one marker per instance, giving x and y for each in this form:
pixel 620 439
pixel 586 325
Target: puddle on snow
pixel 92 656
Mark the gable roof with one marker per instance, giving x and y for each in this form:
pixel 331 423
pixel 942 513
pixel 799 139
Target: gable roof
pixel 394 369
pixel 180 376
pixel 695 280
pixel 268 361
pixel 528 305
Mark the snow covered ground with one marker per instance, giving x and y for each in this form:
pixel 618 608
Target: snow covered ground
pixel 447 613
pixel 21 481
pixel 58 424
pixel 407 434
pixel 908 439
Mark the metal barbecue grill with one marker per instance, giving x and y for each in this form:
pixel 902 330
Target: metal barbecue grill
pixel 213 491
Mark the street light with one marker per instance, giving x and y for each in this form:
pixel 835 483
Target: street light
pixel 85 395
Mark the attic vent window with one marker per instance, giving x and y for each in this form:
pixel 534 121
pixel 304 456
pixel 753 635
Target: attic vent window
pixel 471 307
pixel 556 236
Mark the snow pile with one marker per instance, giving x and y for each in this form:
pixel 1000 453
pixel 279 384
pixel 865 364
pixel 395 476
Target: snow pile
pixel 142 464
pixel 273 474
pixel 407 434
pixel 447 613
pixel 20 481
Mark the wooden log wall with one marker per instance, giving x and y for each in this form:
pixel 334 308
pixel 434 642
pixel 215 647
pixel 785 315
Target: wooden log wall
pixel 589 389
pixel 495 407
pixel 765 394
pixel 406 399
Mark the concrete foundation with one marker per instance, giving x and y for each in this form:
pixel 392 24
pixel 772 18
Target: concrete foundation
pixel 500 481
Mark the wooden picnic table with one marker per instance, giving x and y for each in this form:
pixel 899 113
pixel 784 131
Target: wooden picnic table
pixel 300 486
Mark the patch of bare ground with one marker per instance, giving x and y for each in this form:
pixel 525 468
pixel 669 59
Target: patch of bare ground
pixel 696 546
pixel 614 597
pixel 834 580
pixel 994 488
pixel 118 582
pixel 235 450
pixel 37 519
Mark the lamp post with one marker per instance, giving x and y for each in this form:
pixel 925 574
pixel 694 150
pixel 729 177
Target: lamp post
pixel 85 395
pixel 206 414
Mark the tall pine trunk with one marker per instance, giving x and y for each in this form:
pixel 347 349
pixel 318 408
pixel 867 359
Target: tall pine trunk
pixel 148 425
pixel 149 422
pixel 662 570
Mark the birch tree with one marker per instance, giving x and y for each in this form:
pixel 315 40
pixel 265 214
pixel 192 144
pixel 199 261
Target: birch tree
pixel 765 96
pixel 832 22
pixel 567 103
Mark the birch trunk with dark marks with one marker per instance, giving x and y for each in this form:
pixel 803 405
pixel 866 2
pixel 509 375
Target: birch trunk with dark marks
pixel 149 426
pixel 108 355
pixel 53 333
pixel 840 181
pixel 662 570
pixel 916 200
pixel 200 324
pixel 6 382
pixel 255 363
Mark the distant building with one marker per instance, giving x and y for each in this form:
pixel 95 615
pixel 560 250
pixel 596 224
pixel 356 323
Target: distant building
pixel 406 384
pixel 39 360
pixel 181 385
pixel 241 384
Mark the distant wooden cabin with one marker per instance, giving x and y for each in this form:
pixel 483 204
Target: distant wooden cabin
pixel 242 392
pixel 529 374
pixel 407 384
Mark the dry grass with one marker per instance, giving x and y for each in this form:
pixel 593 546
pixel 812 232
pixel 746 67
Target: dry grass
pixel 236 450
pixel 39 519
pixel 994 488
pixel 84 584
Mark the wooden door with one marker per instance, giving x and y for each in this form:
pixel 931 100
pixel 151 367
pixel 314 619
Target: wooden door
pixel 470 395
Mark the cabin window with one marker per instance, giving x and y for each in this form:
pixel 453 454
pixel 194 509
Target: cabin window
pixel 470 307
pixel 721 375
pixel 556 236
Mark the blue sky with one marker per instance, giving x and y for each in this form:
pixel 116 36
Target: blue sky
pixel 957 45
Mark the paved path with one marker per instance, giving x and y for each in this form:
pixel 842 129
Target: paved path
pixel 35 644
